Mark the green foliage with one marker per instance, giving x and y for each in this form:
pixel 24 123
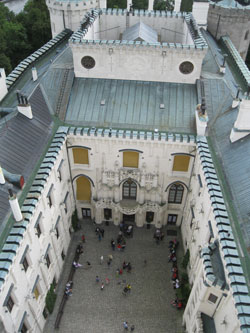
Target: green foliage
pixel 22 34
pixel 50 298
pixel 35 19
pixel 183 293
pixel 140 4
pixel 74 221
pixel 117 4
pixel 164 5
pixel 185 260
pixel 186 5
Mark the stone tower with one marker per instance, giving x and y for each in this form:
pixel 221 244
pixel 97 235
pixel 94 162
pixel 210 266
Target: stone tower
pixel 68 14
pixel 230 18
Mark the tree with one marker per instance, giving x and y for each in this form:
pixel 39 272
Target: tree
pixel 186 6
pixel 117 4
pixel 35 19
pixel 163 5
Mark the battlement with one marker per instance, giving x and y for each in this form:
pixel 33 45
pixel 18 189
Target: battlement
pixel 100 51
pixel 188 35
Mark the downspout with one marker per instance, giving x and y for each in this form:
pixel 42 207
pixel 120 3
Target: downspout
pixel 188 186
pixel 70 173
pixel 217 28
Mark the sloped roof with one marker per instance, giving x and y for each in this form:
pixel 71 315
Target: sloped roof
pixel 133 104
pixel 22 142
pixel 141 30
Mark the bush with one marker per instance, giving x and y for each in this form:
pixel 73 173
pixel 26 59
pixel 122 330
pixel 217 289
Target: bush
pixel 50 298
pixel 185 260
pixel 183 293
pixel 74 221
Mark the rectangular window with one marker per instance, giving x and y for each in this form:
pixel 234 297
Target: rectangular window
pixel 24 261
pixel 37 225
pixel 57 232
pixel 47 259
pixel 199 179
pixel 49 196
pixel 25 264
pixel 65 203
pixel 38 230
pixel 36 293
pixel 212 298
pixel 130 159
pixel 181 163
pixel 172 219
pixel 10 303
pixel 81 155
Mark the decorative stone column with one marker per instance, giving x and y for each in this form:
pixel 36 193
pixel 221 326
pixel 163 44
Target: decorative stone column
pixel 139 218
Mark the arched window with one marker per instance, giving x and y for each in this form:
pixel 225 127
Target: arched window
pixel 83 189
pixel 129 189
pixel 175 193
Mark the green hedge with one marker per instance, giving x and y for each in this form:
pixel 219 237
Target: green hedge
pixel 50 298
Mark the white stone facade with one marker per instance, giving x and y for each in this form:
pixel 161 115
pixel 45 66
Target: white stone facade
pixel 153 177
pixel 68 14
pixel 51 239
pixel 126 60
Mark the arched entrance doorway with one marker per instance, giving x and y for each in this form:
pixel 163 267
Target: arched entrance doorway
pixel 83 189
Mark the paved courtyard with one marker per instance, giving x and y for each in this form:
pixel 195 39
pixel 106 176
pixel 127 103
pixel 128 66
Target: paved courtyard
pixel 147 307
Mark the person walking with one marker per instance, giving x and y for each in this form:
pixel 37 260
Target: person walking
pixel 102 232
pixel 97 279
pixel 132 328
pixel 125 325
pixel 102 286
pixel 112 242
pixel 83 238
pixel 101 260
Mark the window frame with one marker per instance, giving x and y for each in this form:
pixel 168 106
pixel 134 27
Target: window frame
pixel 175 193
pixel 129 188
pixel 10 303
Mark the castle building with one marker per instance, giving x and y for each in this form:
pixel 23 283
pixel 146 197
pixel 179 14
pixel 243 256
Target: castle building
pixel 137 118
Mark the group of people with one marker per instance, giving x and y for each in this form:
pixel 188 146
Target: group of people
pixel 68 288
pixel 173 244
pixel 125 325
pixel 158 236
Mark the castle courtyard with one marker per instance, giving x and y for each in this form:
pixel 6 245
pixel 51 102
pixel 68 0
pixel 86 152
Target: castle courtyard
pixel 148 306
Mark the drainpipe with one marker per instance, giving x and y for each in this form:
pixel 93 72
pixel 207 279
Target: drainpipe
pixel 70 173
pixel 217 28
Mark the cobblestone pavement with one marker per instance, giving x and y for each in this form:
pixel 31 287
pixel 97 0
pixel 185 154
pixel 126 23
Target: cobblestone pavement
pixel 90 310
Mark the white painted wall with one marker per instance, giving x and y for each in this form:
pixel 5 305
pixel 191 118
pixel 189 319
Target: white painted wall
pixel 3 86
pixel 69 14
pixel 200 10
pixel 154 175
pixel 137 62
pixel 24 281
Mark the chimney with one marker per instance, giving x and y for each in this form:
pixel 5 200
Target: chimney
pixel 241 126
pixel 15 206
pixel 201 118
pixel 2 180
pixel 3 85
pixel 23 105
pixel 34 74
pixel 17 180
pixel 236 100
